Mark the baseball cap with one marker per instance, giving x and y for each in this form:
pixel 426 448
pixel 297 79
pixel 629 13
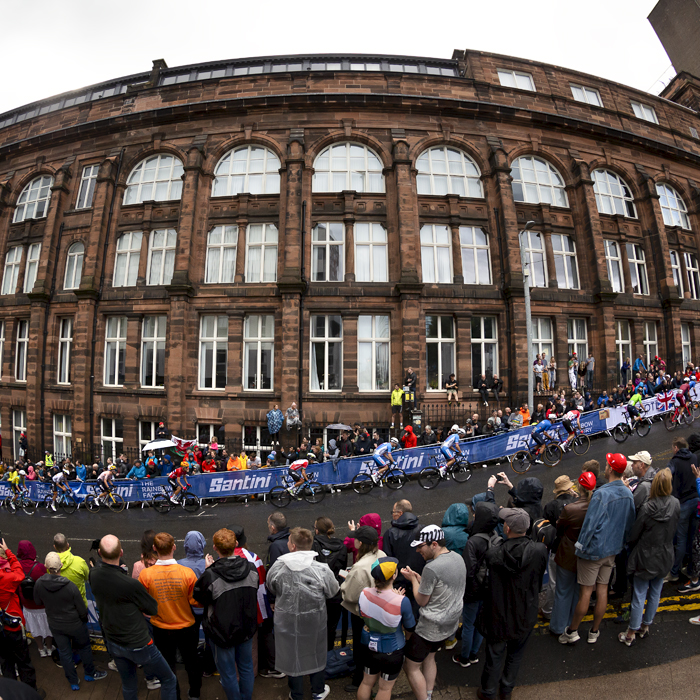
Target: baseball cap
pixel 53 561
pixel 515 518
pixel 616 462
pixel 562 484
pixel 587 480
pixel 384 568
pixel 366 535
pixel 641 456
pixel 430 533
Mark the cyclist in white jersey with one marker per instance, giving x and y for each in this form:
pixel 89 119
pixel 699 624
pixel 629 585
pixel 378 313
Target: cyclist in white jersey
pixel 104 481
pixel 59 481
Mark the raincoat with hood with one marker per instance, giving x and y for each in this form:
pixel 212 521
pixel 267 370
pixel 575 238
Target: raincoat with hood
pixel 527 494
pixel 65 608
pixel 26 554
pixel 454 525
pixel 333 452
pixel 397 543
pixel 373 520
pixel 31 474
pixel 301 586
pixel 194 552
pixel 275 418
pixel 409 439
pixel 75 569
pixel 484 523
pixel 651 538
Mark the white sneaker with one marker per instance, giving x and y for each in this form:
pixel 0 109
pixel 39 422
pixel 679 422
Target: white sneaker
pixel 153 683
pixel 112 665
pixel 695 620
pixel 569 637
pixel 593 636
pixel 44 652
pixel 324 694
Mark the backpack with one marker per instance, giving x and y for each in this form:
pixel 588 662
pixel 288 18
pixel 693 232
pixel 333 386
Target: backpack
pixel 482 572
pixel 26 585
pixel 339 663
pixel 543 531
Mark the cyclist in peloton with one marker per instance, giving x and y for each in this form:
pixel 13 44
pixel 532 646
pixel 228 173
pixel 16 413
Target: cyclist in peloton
pixel 450 448
pixel 383 459
pixel 16 480
pixel 174 479
pixel 567 421
pixel 104 481
pixel 59 481
pixel 297 470
pixel 633 403
pixel 537 436
pixel 684 395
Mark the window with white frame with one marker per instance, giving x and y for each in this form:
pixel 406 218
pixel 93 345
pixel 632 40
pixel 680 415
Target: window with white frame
pixel 206 431
pixel 685 344
pixel 153 335
pixel 126 263
pixel 261 253
pixel 31 267
pixel 327 257
pixel 436 253
pixel 161 256
pixel 676 270
pixel 638 268
pixel 535 258
pixel 19 426
pixel 476 262
pixel 516 79
pixel 585 94
pixel 535 180
pixel 565 261
pixel 439 350
pixel 258 352
pixel 65 343
pixel 157 178
pixel 86 191
pixel 577 337
pixel 651 348
pixel 612 194
pixel 33 203
pixel 371 260
pixel 326 370
pixel 21 351
pixel 484 348
pixel 613 261
pixel 147 433
pixel 646 112
pixel 348 166
pixel 443 170
pixel 253 169
pixel 115 351
pixel 542 337
pixel 257 438
pixel 222 242
pixel 13 257
pixel 74 266
pixel 111 437
pixel 2 347
pixel 213 352
pixel 673 207
pixel 691 267
pixel 373 357
pixel 623 343
pixel 62 434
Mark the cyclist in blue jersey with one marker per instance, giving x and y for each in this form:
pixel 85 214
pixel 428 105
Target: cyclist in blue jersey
pixel 538 437
pixel 382 457
pixel 450 448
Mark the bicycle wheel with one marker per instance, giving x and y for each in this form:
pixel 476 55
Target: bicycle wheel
pixel 552 455
pixel 314 492
pixel 689 416
pixel 521 462
pixel 9 505
pixel 28 506
pixel 92 503
pixel 643 427
pixel 669 422
pixel 429 478
pixel 462 471
pixel 395 478
pixel 190 503
pixel 116 503
pixel 620 432
pixel 161 503
pixel 362 483
pixel 69 504
pixel 279 497
pixel 581 444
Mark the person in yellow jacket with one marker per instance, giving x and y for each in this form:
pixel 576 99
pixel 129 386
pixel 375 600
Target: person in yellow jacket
pixel 48 460
pixel 397 405
pixel 243 460
pixel 74 568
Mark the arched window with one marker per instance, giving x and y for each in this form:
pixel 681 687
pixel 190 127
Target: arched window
pixel 33 203
pixel 612 195
pixel 673 207
pixel 157 178
pixel 443 170
pixel 74 266
pixel 348 166
pixel 536 181
pixel 252 169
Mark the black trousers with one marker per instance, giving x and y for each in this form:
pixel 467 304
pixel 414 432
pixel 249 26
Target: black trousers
pixel 14 653
pixel 334 610
pixel 619 587
pixel 358 651
pixel 186 640
pixel 502 666
pixel 266 645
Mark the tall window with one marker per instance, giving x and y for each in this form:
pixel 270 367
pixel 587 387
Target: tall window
pixel 445 170
pixel 153 336
pixel 436 253
pixel 535 181
pixel 638 268
pixel 585 94
pixel 476 263
pixel 685 344
pixel 21 351
pixel 161 256
pixel 326 371
pixel 484 348
pixel 206 431
pixel 677 273
pixel 61 436
pixel 613 260
pixel 258 352
pixel 126 264
pixel 65 342
pixel 252 169
pixel 87 187
pixel 565 261
pixel 147 432
pixel 642 111
pixel 516 79
pixel 612 195
pixel 213 352
pixel 33 203
pixel 32 267
pixel 535 260
pixel 2 347
pixel 691 266
pixel 347 166
pixel 577 335
pixel 115 351
pixel 542 340
pixel 373 356
pixel 112 437
pixel 19 426
pixel 327 256
pixel 651 349
pixel 11 273
pixel 673 207
pixel 158 179
pixel 440 350
pixel 221 255
pixel 623 344
pixel 74 266
pixel 371 262
pixel 261 253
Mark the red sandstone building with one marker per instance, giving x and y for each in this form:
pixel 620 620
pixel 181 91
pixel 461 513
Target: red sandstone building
pixel 195 244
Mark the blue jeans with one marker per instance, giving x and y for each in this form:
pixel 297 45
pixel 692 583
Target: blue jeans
pixel 153 663
pixel 64 643
pixel 471 639
pixel 565 600
pixel 237 686
pixel 644 590
pixel 296 684
pixel 685 530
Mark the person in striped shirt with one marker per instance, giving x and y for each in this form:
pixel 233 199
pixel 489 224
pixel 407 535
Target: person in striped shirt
pixel 385 612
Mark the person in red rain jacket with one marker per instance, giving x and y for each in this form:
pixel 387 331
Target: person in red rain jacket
pixel 409 439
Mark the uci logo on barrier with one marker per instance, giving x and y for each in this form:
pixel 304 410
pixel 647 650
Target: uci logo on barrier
pixel 250 481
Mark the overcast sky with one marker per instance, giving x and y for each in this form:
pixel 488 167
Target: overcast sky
pixel 50 47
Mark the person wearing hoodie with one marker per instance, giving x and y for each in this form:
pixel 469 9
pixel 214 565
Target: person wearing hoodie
pixel 80 471
pixel 279 534
pixel 67 615
pixel 195 542
pixel 75 568
pixel 454 525
pixel 301 587
pixel 363 443
pixel 332 453
pixel 509 612
pixel 408 439
pixel 370 519
pixel 138 471
pixel 34 614
pixel 526 495
pixel 227 590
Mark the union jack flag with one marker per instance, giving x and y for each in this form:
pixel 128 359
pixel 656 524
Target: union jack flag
pixel 665 401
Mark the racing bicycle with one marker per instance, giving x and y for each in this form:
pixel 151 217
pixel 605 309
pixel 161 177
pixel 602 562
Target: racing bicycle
pixel 311 491
pixel 12 503
pixel 112 500
pixel 65 499
pixel 580 443
pixel 622 431
pixel 678 416
pixel 162 503
pixel 551 455
pixel 368 477
pixel 460 470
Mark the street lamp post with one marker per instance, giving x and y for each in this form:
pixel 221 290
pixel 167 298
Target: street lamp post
pixel 528 318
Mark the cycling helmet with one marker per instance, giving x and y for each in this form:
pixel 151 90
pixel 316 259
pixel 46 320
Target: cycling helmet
pixel 22 472
pixel 184 463
pixel 455 427
pixel 113 467
pixel 66 470
pixel 462 432
pixel 394 441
